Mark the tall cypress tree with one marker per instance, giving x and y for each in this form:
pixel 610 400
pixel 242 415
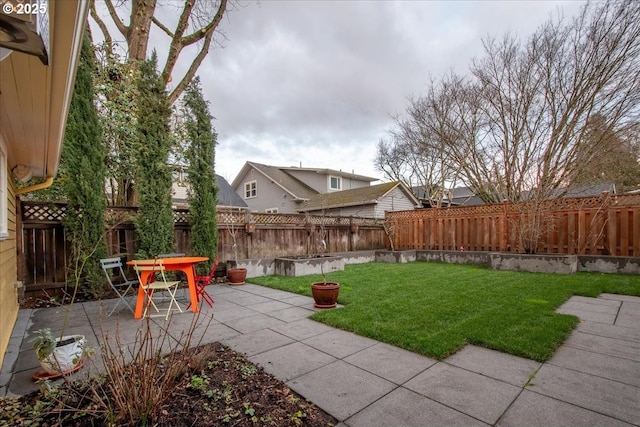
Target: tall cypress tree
pixel 154 223
pixel 200 153
pixel 81 177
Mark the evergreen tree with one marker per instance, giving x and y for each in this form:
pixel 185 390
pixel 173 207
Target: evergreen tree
pixel 154 223
pixel 200 138
pixel 81 179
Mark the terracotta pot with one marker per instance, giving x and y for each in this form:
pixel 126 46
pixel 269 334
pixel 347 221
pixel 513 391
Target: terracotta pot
pixel 236 276
pixel 325 294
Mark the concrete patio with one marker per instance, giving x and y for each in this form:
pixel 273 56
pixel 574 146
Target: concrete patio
pixel 593 379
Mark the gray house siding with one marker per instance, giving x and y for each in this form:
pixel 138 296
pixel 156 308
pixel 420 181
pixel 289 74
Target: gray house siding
pixel 321 182
pixel 395 200
pixel 269 195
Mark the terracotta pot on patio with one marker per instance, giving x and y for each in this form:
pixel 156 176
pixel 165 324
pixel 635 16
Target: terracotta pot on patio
pixel 325 294
pixel 236 276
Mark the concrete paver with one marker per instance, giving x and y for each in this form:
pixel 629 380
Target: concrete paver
pixel 339 343
pixel 589 362
pixel 341 389
pixel 389 362
pixel 292 360
pixel 593 379
pixel 479 396
pixel 598 394
pixel 405 408
pixel 504 367
pixel 535 410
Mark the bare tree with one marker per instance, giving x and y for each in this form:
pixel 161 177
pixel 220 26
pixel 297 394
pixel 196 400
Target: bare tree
pixel 197 23
pixel 416 154
pixel 518 128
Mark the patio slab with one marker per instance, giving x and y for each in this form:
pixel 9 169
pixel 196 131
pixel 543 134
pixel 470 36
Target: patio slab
pixel 534 410
pixel 611 331
pixel 302 329
pixel 405 408
pixel 339 343
pixel 253 323
pixel 603 365
pixel 292 360
pixel 602 395
pixel 481 397
pixel 257 342
pixel 604 345
pixel 501 366
pixel 340 388
pixel 391 363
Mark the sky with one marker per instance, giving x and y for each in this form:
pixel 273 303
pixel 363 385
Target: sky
pixel 318 83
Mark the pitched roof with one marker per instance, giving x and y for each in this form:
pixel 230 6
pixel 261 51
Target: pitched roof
pixel 226 195
pixel 344 198
pixel 279 176
pixel 334 172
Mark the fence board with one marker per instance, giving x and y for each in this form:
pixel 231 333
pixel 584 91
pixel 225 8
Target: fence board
pixel 43 249
pixel 606 225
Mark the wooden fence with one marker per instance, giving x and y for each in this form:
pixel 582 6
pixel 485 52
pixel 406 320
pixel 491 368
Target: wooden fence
pixel 603 225
pixel 43 250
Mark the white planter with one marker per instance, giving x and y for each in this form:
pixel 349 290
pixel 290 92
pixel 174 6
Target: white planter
pixel 64 358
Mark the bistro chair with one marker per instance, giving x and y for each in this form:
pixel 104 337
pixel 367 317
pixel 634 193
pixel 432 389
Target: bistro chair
pixel 156 280
pixel 118 281
pixel 202 282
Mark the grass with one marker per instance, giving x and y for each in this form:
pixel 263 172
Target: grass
pixel 435 309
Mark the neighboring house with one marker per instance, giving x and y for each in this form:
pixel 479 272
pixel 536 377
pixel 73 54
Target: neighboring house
pixel 275 189
pixel 586 190
pixel 36 85
pixel 369 202
pixel 227 198
pixel 458 196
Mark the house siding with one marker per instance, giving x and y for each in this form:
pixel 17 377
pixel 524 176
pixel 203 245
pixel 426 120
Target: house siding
pixel 320 182
pixel 395 200
pixel 269 194
pixel 8 276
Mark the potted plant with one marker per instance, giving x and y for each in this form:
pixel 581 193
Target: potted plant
pixel 64 354
pixel 236 275
pixel 58 356
pixel 325 293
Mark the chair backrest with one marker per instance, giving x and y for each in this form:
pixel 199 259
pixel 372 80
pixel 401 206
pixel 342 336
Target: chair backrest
pixel 214 266
pixel 111 266
pixel 156 267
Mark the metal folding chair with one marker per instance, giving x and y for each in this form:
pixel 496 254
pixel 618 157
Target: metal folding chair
pixel 154 283
pixel 118 281
pixel 201 285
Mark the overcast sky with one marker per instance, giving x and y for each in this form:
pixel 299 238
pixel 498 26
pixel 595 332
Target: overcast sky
pixel 316 83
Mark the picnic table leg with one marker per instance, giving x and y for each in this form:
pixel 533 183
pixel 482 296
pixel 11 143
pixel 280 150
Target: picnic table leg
pixel 140 301
pixel 193 293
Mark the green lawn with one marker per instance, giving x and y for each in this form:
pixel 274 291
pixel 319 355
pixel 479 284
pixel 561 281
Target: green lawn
pixel 434 309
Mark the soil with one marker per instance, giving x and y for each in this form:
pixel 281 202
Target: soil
pixel 225 390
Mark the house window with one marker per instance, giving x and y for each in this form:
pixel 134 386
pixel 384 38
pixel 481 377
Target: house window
pixel 271 211
pixel 250 189
pixel 335 183
pixel 4 194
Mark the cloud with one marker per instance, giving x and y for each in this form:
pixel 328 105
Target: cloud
pixel 318 82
